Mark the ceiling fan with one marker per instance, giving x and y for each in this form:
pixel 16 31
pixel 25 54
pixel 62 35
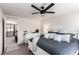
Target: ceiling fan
pixel 43 10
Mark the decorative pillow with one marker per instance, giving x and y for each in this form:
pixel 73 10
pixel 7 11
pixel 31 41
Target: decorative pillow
pixel 65 38
pixel 49 35
pixel 46 35
pixel 57 37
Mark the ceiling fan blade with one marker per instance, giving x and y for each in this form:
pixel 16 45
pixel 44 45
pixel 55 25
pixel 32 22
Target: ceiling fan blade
pixel 48 7
pixel 35 7
pixel 49 12
pixel 36 13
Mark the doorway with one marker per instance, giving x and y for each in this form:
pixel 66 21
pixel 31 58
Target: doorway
pixel 11 28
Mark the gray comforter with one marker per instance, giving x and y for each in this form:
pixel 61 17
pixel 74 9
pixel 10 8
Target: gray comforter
pixel 58 48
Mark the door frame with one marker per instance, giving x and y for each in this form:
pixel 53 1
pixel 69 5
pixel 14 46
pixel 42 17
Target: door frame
pixel 3 35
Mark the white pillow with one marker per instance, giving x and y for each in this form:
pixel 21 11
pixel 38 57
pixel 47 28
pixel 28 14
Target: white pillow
pixel 57 37
pixel 49 35
pixel 65 38
pixel 46 35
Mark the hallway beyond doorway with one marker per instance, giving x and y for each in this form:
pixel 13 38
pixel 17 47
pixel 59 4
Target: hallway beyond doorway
pixel 10 43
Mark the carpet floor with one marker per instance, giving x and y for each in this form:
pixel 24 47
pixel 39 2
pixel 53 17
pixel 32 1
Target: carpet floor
pixel 21 50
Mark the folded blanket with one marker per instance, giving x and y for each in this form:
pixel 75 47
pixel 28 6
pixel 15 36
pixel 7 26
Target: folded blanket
pixel 32 35
pixel 35 40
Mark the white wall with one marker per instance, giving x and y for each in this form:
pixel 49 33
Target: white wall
pixel 24 24
pixel 27 24
pixel 1 16
pixel 67 22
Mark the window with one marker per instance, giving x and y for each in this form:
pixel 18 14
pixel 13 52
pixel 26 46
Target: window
pixel 9 29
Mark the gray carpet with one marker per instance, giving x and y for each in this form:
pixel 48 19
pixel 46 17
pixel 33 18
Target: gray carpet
pixel 10 44
pixel 22 50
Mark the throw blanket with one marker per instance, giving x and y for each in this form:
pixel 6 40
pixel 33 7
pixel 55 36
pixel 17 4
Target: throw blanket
pixel 35 40
pixel 58 48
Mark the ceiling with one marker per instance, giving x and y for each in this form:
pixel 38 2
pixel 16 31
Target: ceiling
pixel 25 10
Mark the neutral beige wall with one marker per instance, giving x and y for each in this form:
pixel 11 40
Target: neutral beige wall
pixel 1 16
pixel 65 23
pixel 27 24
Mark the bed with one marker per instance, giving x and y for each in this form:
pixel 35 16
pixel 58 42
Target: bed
pixel 49 46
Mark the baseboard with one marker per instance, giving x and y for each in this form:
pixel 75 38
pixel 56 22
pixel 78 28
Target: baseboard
pixel 20 43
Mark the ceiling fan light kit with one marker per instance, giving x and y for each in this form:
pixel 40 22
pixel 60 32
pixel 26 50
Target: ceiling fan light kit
pixel 42 15
pixel 43 10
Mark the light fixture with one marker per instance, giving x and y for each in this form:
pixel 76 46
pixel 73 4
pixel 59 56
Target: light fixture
pixel 42 14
